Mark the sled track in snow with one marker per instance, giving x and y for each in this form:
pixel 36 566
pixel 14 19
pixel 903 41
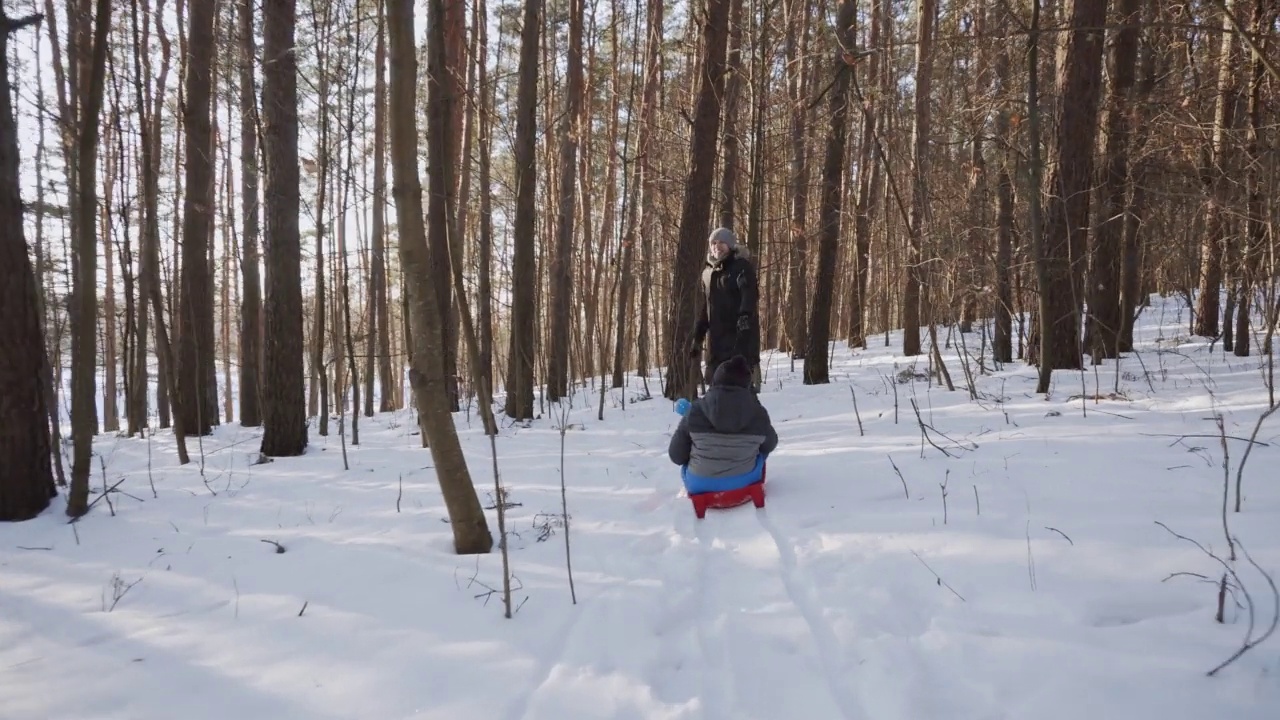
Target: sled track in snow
pixel 717 690
pixel 800 589
pixel 546 667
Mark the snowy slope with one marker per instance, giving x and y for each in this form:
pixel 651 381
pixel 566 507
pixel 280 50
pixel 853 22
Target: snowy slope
pixel 1038 588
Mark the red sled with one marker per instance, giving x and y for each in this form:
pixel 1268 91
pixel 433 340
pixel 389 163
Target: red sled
pixel 723 499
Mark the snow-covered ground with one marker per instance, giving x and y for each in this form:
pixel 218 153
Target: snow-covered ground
pixel 1021 574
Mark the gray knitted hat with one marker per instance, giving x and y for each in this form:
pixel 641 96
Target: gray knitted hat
pixel 724 235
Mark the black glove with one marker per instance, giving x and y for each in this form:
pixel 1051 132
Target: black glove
pixel 744 322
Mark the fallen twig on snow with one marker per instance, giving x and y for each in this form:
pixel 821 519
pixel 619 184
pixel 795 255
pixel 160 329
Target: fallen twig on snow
pixel 924 435
pixel 904 480
pixel 1054 529
pixel 941 582
pixel 1250 641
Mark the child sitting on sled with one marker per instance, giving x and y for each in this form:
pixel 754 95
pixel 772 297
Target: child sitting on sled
pixel 723 440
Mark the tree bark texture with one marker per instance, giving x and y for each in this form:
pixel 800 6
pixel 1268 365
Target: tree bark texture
pixel 26 473
pixel 695 213
pixel 284 399
pixel 427 360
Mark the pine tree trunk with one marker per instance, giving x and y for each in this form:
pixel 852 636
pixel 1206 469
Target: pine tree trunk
pixel 912 290
pixel 110 359
pixel 681 367
pixel 561 270
pixel 1131 242
pixel 444 89
pixel 427 362
pixel 484 246
pixel 1102 334
pixel 1066 215
pixel 524 275
pixel 84 316
pixel 26 475
pixel 251 306
pixel 870 169
pixel 816 360
pixel 1255 224
pixel 380 325
pixel 1215 177
pixel 284 417
pixel 732 98
pixel 195 314
pixel 1002 335
pixel 797 53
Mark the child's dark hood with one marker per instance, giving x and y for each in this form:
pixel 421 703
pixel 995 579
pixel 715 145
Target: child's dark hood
pixel 729 408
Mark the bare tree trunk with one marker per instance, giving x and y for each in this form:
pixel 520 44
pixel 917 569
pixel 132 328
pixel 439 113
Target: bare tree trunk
pixel 1102 334
pixel 52 390
pixel 284 416
pixel 562 260
pixel 869 180
pixel 1255 224
pixel 524 280
pixel 195 315
pixel 816 361
pixel 733 95
pixel 229 250
pixel 318 398
pixel 484 247
pixel 641 176
pixel 912 290
pixel 1131 243
pixel 1002 335
pixel 797 53
pixel 26 476
pixel 380 319
pixel 110 176
pixel 444 88
pixel 1215 178
pixel 85 301
pixel 251 307
pixel 466 516
pixel 1067 214
pixel 681 368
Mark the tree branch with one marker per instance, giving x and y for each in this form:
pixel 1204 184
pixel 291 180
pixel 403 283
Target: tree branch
pixel 1249 40
pixel 9 25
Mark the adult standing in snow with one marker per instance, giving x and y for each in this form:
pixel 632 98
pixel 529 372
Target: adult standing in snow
pixel 730 313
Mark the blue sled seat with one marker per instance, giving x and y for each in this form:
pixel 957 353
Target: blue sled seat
pixel 696 484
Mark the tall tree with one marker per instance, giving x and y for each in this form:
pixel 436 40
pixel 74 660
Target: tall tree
pixel 484 248
pixel 1066 217
pixel 524 278
pixel 284 416
pixel 733 97
pixel 1002 336
pixel 816 364
pixel 196 359
pixel 379 342
pixel 1251 250
pixel 796 45
pixel 444 90
pixel 84 318
pixel 695 212
pixel 251 305
pixel 562 261
pixel 427 361
pixel 922 126
pixel 1217 181
pixel 869 180
pixel 26 475
pixel 1102 332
